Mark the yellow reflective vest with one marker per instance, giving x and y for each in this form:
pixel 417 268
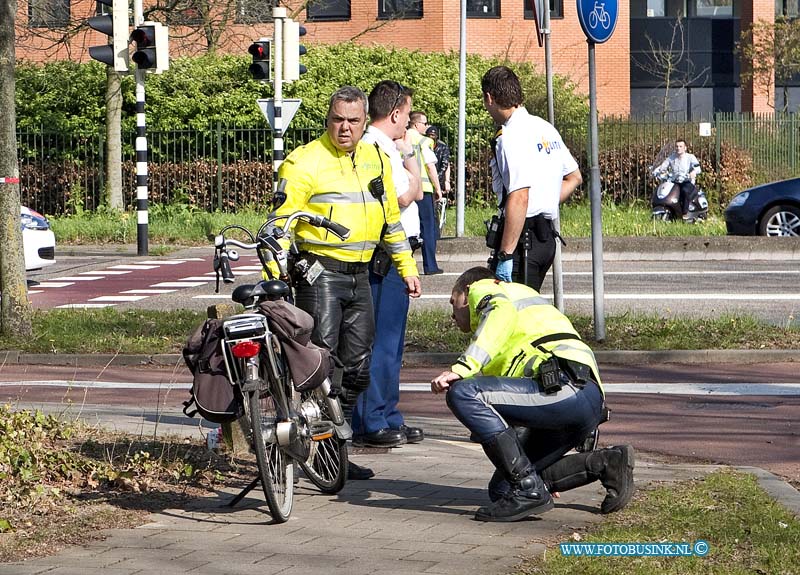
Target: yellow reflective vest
pixel 506 318
pixel 417 142
pixel 325 180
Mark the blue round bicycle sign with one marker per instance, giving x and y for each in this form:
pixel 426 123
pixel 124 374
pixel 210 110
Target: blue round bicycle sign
pixel 598 18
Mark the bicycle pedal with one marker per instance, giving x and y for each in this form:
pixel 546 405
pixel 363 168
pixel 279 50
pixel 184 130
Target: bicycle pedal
pixel 322 431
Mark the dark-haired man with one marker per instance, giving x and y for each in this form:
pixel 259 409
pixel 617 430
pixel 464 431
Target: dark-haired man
pixel 532 172
pixel 527 367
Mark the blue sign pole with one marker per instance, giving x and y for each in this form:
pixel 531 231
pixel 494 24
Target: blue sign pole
pixel 598 19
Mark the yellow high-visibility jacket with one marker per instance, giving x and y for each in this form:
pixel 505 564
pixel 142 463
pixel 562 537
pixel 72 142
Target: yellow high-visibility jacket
pixel 506 318
pixel 324 180
pixel 417 142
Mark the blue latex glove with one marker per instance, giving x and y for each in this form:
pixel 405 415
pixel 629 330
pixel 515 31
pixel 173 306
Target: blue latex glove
pixel 504 269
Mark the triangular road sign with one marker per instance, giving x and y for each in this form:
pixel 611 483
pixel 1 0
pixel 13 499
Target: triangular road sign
pixel 289 107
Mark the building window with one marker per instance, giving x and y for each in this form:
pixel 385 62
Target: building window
pixel 714 8
pixel 788 8
pixel 328 10
pixel 658 8
pixel 556 9
pixel 253 12
pixel 185 13
pixel 399 9
pixel 483 8
pixel 48 13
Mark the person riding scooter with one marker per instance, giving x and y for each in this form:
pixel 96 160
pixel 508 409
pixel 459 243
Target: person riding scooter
pixel 681 168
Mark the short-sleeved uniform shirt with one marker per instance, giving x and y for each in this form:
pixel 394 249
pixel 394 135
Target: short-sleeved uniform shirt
pixel 531 154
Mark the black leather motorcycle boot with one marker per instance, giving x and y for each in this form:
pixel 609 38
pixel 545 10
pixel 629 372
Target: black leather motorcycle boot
pixel 612 466
pixel 528 495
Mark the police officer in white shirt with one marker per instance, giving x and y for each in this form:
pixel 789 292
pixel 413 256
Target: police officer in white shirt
pixel 532 173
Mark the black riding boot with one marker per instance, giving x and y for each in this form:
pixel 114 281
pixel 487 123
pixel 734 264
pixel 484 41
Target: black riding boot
pixel 528 495
pixel 613 466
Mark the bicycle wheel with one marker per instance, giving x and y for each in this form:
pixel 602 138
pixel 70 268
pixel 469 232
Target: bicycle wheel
pixel 274 466
pixel 326 466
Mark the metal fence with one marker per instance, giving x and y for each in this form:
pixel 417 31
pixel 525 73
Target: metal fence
pixel 224 167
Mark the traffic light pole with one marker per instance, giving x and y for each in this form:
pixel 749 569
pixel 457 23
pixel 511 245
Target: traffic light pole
pixel 278 15
pixel 141 150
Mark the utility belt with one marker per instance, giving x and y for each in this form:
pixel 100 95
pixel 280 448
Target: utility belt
pixel 556 372
pixel 334 265
pixel 538 226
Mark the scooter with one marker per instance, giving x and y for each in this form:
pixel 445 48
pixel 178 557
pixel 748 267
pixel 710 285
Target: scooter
pixel 666 203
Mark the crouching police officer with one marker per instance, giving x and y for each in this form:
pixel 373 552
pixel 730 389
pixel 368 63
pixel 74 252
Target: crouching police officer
pixel 538 376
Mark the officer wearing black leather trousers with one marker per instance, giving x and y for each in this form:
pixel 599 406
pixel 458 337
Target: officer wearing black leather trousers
pixel 526 367
pixel 349 182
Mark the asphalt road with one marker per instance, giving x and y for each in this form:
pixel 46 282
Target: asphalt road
pixel 761 286
pixel 758 430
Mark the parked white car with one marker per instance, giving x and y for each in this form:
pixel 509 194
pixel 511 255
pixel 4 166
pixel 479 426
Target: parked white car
pixel 38 240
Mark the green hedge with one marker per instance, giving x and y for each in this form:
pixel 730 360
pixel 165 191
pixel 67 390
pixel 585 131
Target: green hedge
pixel 198 92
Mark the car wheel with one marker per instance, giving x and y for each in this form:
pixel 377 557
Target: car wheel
pixel 780 221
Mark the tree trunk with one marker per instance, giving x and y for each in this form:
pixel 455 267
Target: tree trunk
pixel 113 165
pixel 15 309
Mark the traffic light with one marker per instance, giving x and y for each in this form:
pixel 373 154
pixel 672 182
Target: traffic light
pixel 152 46
pixel 114 24
pixel 292 50
pixel 261 50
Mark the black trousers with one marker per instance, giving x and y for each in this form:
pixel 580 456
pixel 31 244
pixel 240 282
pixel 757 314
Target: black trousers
pixel 688 192
pixel 540 255
pixel 341 305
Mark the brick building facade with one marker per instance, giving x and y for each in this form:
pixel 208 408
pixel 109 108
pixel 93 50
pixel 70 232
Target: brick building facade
pixel 55 28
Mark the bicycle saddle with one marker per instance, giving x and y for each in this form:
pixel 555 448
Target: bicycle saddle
pixel 271 289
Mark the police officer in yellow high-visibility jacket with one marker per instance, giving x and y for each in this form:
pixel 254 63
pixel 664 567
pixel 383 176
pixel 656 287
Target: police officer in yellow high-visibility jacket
pixel 521 344
pixel 349 182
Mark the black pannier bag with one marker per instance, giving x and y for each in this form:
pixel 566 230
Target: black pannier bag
pixel 213 395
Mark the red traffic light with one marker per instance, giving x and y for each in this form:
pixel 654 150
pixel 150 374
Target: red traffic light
pixel 144 37
pixel 259 50
pixel 260 68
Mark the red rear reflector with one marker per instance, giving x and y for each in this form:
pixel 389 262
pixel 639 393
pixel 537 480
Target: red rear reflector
pixel 245 349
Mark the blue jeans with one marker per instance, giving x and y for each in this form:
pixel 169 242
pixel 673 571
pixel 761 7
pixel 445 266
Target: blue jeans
pixel 376 408
pixel 429 230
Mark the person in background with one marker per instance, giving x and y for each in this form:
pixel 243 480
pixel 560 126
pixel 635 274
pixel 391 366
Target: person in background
pixel 682 168
pixel 377 422
pixel 423 147
pixel 442 151
pixel 532 172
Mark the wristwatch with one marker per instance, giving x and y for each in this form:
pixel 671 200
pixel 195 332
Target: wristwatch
pixel 408 156
pixel 504 257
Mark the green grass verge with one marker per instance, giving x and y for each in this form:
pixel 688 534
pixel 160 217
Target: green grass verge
pixel 148 331
pixel 747 532
pixel 182 225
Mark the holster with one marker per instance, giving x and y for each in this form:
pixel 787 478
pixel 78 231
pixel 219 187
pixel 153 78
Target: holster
pixel 381 261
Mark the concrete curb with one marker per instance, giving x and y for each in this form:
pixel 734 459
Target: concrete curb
pixel 778 489
pixel 615 357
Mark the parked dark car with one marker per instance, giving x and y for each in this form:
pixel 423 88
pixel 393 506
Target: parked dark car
pixel 767 210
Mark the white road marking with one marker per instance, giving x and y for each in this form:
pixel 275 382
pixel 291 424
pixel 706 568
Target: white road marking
pixel 97 384
pixel 53 284
pixel 178 284
pixel 119 298
pixel 212 296
pixel 196 279
pixel 235 271
pixel 105 273
pixel 35 291
pixel 248 268
pixel 682 297
pixel 689 272
pixel 77 278
pixel 133 267
pixel 84 305
pixel 741 389
pixel 164 262
pixel 149 291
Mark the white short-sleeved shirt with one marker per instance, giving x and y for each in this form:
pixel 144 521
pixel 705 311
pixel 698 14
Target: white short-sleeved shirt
pixel 409 215
pixel 531 154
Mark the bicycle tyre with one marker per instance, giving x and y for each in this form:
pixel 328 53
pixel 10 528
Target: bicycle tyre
pixel 274 466
pixel 326 466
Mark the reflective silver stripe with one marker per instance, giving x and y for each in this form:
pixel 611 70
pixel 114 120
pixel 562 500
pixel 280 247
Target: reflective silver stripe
pixel 521 304
pixel 571 347
pixel 341 198
pixel 478 353
pixel 526 399
pixel 394 228
pixel 397 247
pixel 352 247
